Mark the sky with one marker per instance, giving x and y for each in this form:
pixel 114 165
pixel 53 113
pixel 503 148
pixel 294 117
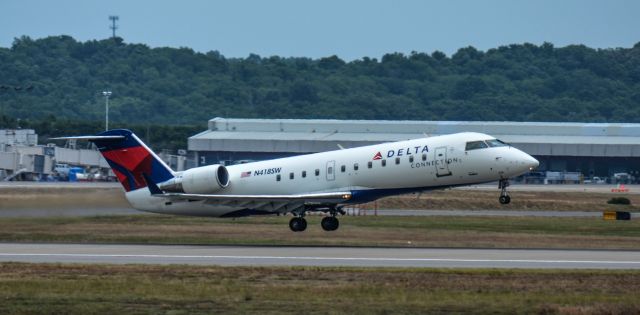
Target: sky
pixel 350 29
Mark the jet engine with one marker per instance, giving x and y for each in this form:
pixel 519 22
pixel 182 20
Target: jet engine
pixel 199 180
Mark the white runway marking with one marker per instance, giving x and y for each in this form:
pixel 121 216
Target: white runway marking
pixel 326 258
pixel 318 256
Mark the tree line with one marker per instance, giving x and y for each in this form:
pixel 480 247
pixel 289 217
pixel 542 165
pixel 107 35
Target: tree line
pixel 59 77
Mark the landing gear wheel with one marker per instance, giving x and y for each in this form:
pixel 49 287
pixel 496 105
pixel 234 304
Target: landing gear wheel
pixel 330 223
pixel 504 194
pixel 298 224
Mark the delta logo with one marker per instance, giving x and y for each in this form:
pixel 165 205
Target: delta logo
pixel 403 152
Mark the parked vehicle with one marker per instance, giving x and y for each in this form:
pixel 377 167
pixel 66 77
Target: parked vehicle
pixel 622 178
pixel 595 180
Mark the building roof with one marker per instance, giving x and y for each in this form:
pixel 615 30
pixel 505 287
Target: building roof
pixel 315 135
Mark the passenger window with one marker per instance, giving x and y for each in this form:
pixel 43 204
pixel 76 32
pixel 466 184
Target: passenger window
pixel 304 174
pixel 330 170
pixel 369 164
pixel 424 156
pixel 474 145
pixel 317 172
pixel 291 175
pixel 496 143
pixel 278 178
pixel 355 167
pixel 343 168
pixel 384 162
pixel 397 160
pixel 410 158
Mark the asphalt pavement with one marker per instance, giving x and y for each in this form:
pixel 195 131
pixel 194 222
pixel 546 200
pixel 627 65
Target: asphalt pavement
pixel 319 256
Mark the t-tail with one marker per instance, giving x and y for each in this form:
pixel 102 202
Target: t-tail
pixel 133 163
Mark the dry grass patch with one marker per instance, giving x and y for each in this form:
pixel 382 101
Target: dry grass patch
pixel 485 232
pixel 61 197
pixel 455 199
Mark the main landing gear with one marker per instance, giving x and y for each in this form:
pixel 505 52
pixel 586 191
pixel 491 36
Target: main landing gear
pixel 330 223
pixel 298 224
pixel 504 194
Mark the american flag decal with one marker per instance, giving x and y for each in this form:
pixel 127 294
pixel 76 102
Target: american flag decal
pixel 245 174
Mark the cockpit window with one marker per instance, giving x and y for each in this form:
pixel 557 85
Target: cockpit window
pixel 474 145
pixel 496 143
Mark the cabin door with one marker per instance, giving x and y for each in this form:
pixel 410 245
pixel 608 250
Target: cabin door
pixel 331 170
pixel 440 159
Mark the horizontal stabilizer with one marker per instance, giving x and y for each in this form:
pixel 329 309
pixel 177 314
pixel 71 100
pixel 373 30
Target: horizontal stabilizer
pixel 90 138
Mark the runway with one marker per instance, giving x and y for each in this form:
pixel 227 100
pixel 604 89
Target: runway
pixel 319 256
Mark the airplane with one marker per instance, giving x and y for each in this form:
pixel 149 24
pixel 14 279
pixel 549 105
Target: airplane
pixel 324 182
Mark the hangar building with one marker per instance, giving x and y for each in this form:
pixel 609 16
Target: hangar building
pixel 594 149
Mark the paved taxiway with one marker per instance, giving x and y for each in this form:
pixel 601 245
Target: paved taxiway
pixel 319 256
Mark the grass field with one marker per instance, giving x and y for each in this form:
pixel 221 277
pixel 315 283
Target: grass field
pixel 497 232
pixel 485 232
pixel 460 199
pixel 456 199
pixel 46 197
pixel 137 289
pixel 150 289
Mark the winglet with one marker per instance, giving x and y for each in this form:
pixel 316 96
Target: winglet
pixel 153 188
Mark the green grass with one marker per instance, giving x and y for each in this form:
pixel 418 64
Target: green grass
pixel 502 232
pixel 566 226
pixel 94 289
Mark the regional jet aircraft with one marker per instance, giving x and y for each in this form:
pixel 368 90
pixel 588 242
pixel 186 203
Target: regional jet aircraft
pixel 323 182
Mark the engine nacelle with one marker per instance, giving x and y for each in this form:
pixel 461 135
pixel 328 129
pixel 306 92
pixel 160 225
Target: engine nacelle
pixel 199 180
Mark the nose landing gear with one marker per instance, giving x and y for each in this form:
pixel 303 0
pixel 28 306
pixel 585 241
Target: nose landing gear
pixel 504 194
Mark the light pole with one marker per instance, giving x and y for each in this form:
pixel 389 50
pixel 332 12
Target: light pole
pixel 106 109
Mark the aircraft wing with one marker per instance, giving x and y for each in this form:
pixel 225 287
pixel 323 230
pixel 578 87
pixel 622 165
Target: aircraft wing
pixel 271 203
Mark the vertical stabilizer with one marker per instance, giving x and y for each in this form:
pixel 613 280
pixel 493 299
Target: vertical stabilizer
pixel 130 159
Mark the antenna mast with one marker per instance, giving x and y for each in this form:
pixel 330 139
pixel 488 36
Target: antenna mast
pixel 113 26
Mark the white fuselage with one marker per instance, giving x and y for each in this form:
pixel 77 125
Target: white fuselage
pixel 412 165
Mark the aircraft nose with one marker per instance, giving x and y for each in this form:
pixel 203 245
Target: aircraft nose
pixel 523 163
pixel 531 162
